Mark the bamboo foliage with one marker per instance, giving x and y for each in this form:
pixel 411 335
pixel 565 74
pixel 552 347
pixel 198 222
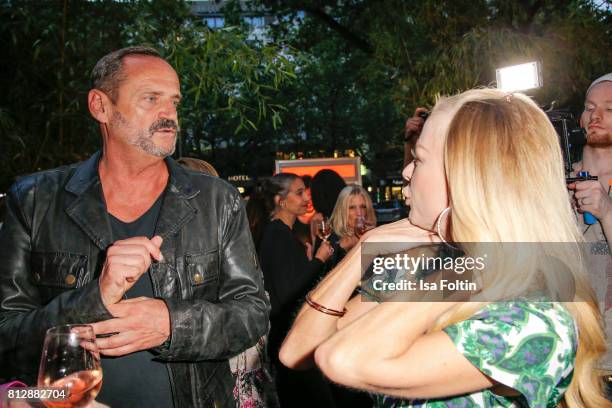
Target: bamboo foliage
pixel 229 81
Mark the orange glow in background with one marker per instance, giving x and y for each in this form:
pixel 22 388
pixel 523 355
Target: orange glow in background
pixel 344 170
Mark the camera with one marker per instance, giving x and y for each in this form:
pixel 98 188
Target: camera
pixel 572 138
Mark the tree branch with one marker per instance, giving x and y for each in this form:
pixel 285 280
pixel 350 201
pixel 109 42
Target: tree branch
pixel 315 9
pixel 344 32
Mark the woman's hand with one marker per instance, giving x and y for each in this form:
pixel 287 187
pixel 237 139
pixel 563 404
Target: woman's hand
pixel 324 252
pixel 309 250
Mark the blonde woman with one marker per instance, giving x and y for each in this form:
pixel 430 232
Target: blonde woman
pixel 353 215
pixel 488 168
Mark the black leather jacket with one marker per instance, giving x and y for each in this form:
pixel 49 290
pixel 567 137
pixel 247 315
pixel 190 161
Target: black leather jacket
pixel 52 248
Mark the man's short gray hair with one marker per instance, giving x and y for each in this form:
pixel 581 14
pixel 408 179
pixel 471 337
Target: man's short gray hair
pixel 108 74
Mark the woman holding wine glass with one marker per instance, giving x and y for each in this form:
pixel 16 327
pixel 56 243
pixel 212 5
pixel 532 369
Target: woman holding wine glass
pixel 288 275
pixel 353 215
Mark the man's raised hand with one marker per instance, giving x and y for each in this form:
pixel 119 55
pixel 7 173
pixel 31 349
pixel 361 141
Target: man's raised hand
pixel 126 261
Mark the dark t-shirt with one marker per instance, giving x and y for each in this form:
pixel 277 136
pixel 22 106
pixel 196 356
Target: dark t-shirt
pixel 137 379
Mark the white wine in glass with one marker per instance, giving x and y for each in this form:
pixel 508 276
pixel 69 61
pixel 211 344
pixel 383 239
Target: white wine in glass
pixel 70 360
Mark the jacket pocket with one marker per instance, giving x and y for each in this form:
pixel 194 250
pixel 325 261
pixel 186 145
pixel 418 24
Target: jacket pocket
pixel 59 270
pixel 203 274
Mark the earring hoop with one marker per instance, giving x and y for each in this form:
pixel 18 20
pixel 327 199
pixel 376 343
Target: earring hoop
pixel 439 228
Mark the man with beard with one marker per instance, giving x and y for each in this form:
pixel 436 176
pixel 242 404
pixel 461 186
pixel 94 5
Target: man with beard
pixel 595 197
pixel 159 259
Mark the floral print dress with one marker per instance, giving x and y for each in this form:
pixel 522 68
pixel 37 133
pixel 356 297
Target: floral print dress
pixel 527 346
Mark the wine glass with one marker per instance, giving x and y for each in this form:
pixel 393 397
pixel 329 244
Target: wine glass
pixel 324 229
pixel 360 226
pixel 70 360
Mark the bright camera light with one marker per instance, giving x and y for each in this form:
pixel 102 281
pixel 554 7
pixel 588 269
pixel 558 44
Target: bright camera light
pixel 519 77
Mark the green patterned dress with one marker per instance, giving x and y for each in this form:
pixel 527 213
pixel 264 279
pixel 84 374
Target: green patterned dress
pixel 528 346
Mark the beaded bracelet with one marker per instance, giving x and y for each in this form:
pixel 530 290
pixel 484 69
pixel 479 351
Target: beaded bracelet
pixel 320 308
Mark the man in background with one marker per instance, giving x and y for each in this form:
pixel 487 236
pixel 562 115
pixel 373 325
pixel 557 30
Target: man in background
pixel 595 197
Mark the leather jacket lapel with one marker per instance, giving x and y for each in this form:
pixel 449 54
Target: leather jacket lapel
pixel 88 211
pixel 176 210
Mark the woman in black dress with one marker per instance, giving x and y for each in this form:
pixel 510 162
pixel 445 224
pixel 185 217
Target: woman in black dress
pixel 288 275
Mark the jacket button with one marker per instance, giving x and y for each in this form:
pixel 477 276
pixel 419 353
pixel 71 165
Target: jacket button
pixel 70 279
pixel 197 278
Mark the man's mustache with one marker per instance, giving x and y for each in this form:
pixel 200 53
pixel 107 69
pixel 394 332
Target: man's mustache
pixel 164 124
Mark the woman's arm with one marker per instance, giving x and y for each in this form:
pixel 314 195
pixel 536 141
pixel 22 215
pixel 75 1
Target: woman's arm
pixel 389 351
pixel 312 327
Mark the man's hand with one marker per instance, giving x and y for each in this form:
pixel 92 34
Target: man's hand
pixel 126 261
pixel 591 197
pixel 414 125
pixel 140 323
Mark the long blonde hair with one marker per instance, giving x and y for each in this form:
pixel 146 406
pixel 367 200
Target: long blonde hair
pixel 339 217
pixel 506 184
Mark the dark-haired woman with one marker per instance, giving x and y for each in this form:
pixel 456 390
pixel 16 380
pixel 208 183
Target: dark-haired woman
pixel 288 275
